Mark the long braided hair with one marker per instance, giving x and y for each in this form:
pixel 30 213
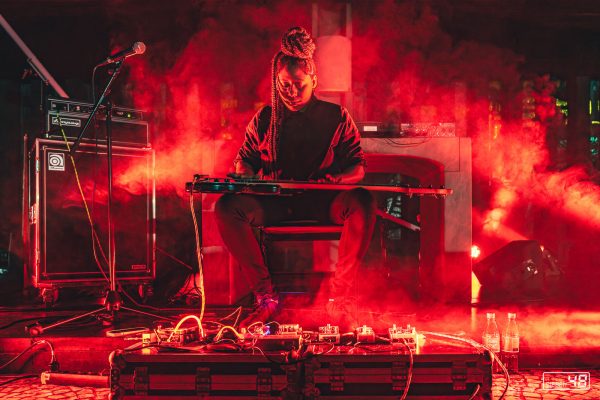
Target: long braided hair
pixel 297 49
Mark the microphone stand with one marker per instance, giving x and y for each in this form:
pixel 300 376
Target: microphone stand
pixel 112 301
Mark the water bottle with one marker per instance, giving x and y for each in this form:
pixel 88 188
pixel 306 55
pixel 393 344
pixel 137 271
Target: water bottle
pixel 510 347
pixel 491 337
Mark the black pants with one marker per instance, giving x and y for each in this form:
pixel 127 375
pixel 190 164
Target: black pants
pixel 238 214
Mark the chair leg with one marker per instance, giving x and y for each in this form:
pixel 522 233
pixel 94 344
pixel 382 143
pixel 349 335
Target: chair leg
pixel 382 246
pixel 261 242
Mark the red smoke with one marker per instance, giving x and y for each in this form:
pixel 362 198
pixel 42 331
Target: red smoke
pixel 406 68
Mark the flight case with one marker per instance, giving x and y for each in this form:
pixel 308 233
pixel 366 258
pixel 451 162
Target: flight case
pixel 344 372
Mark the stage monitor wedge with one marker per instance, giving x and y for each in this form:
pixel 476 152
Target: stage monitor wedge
pixel 521 269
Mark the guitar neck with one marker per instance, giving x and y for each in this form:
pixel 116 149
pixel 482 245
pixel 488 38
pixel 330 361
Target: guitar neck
pixel 370 187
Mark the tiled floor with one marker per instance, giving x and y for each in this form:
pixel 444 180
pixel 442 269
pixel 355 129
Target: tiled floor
pixel 32 389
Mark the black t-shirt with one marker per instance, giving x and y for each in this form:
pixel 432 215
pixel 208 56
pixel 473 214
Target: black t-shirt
pixel 321 139
pixel 302 145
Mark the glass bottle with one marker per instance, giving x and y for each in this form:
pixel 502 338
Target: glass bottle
pixel 510 347
pixel 491 335
pixel 491 338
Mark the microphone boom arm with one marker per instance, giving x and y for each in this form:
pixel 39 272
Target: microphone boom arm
pixel 32 59
pixel 116 71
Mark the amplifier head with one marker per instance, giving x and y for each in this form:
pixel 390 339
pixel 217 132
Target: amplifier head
pixel 128 125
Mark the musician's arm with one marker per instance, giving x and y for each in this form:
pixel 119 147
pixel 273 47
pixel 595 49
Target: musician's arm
pixel 244 170
pixel 351 175
pixel 348 152
pixel 247 161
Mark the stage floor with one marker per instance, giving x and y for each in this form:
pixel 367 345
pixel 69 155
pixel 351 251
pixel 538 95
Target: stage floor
pixel 552 339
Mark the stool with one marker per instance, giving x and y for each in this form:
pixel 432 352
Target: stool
pixel 300 268
pixel 303 278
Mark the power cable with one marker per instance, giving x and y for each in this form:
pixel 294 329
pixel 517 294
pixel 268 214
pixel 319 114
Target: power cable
pixel 199 257
pixel 87 210
pixel 53 361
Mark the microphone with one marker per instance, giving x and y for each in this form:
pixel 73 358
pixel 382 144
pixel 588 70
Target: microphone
pixel 136 48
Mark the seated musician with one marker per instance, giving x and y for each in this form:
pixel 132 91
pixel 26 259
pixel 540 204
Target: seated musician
pixel 300 138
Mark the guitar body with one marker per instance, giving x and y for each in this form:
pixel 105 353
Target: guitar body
pixel 215 185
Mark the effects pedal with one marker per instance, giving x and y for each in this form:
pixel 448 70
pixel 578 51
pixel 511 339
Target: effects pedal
pixel 288 337
pixel 181 337
pixel 400 335
pixel 365 334
pixel 289 329
pixel 329 334
pixel 277 342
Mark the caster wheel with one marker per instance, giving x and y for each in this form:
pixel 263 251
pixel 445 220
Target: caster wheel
pixel 145 291
pixel 49 296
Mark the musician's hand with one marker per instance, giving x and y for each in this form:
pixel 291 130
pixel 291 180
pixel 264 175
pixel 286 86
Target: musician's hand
pixel 328 178
pixel 246 176
pixel 243 170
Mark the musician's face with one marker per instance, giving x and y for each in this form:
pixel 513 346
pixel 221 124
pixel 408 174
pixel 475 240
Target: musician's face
pixel 295 87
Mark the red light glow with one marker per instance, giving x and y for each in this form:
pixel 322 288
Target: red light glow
pixel 203 100
pixel 475 251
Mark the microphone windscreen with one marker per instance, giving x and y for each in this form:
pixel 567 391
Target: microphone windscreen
pixel 139 47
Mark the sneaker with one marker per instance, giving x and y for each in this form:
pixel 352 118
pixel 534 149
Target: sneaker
pixel 342 312
pixel 266 307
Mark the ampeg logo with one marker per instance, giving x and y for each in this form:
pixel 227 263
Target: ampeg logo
pixel 66 122
pixel 56 161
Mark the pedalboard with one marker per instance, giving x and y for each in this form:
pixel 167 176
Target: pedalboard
pixel 286 337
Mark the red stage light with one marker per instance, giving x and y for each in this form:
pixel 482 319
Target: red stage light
pixel 475 251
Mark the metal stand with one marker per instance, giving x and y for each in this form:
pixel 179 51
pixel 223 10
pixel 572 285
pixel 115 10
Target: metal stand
pixel 192 280
pixel 112 301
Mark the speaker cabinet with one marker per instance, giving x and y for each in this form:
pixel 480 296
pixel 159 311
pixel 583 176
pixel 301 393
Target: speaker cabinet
pixel 62 251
